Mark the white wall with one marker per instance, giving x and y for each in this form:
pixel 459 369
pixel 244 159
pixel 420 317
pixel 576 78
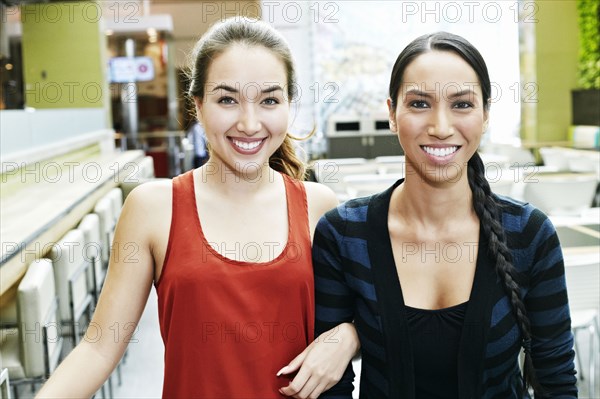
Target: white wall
pixel 25 130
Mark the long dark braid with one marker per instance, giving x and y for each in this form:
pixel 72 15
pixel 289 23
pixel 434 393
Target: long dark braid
pixel 489 215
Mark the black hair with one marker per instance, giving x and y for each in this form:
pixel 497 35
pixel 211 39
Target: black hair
pixel 484 203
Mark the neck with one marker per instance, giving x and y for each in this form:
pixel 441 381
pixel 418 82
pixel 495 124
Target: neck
pixel 229 181
pixel 432 205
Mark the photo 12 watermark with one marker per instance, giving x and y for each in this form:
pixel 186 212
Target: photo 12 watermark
pixel 255 252
pixel 331 172
pixel 120 252
pixel 70 172
pixel 132 12
pixel 468 11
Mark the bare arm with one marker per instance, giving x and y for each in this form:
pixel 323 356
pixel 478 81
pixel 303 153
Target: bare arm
pixel 121 303
pixel 320 199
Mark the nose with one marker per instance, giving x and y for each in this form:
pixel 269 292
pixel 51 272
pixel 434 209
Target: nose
pixel 249 121
pixel 441 126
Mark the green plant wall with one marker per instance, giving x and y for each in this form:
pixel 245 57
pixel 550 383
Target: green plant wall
pixel 556 43
pixel 589 38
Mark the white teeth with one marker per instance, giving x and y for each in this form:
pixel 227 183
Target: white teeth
pixel 246 146
pixel 440 152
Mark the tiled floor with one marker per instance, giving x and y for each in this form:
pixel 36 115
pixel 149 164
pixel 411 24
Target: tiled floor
pixel 142 371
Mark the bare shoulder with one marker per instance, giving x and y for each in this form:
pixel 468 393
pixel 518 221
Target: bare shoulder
pixel 151 194
pixel 148 207
pixel 320 198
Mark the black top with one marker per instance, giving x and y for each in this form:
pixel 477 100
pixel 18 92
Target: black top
pixel 435 337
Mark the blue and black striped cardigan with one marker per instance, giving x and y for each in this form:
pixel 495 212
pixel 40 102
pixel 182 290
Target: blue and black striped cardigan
pixel 356 280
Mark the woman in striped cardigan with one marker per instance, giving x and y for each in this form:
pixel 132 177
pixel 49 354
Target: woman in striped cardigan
pixel 445 281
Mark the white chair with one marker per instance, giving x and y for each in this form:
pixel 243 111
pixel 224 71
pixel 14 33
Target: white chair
pixel 90 226
pixel 391 165
pixel 134 172
pixel 502 185
pixel 393 159
pixel 8 311
pixel 515 156
pixel 560 193
pixel 583 288
pixel 555 158
pixel 368 184
pixel 328 169
pixel 585 162
pixel 116 199
pixel 145 173
pixel 496 161
pixel 573 160
pixel 147 167
pixel 4 383
pixel 331 172
pixel 71 270
pixel 104 210
pixel 31 351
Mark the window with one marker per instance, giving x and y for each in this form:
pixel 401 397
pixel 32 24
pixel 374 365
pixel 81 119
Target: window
pixel 357 43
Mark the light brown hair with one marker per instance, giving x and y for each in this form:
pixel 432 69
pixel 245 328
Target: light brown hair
pixel 250 32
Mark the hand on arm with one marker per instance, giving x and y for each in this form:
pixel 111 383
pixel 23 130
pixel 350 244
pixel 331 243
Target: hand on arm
pixel 322 364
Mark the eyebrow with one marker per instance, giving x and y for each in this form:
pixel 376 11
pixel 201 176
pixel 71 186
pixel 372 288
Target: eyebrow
pixel 426 94
pixel 231 89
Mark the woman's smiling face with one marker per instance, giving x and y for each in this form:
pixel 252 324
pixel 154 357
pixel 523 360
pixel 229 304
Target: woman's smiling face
pixel 245 109
pixel 439 117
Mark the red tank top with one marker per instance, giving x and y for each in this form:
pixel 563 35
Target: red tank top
pixel 229 326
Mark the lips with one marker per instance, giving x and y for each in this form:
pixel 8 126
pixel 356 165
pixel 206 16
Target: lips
pixel 440 151
pixel 245 145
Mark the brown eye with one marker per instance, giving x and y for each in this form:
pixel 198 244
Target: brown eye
pixel 271 101
pixel 226 100
pixel 418 104
pixel 463 105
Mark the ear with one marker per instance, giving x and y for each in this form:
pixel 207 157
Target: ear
pixel 392 116
pixel 198 104
pixel 486 116
pixel 486 119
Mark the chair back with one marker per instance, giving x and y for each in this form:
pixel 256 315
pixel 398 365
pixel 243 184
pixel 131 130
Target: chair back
pixel 393 164
pixel 4 382
pixel 90 226
pixel 565 193
pixel 146 166
pixel 331 172
pixel 104 210
pixel 369 184
pixel 502 186
pixel 116 199
pixel 37 313
pixel 583 282
pixel 68 257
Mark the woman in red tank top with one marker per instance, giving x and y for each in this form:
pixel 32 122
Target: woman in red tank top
pixel 227 246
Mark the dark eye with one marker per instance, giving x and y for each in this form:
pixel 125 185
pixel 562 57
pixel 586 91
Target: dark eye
pixel 226 100
pixel 271 101
pixel 419 104
pixel 463 105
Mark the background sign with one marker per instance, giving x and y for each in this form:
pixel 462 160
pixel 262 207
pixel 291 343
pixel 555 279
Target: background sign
pixel 126 70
